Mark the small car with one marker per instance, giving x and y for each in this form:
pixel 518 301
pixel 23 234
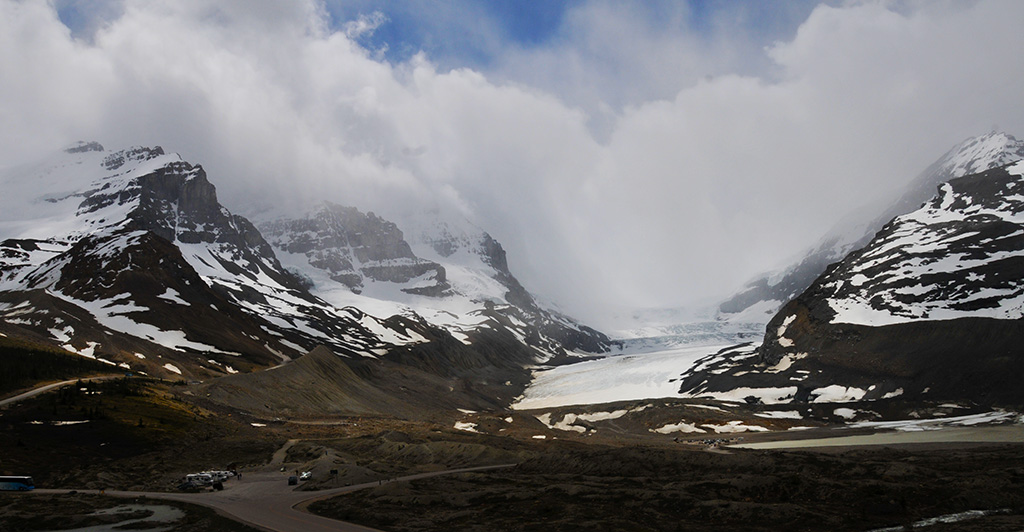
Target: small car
pixel 293 480
pixel 306 475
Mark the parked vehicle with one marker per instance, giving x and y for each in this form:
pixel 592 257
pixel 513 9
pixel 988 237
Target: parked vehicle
pixel 293 480
pixel 16 483
pixel 199 479
pixel 306 475
pixel 218 476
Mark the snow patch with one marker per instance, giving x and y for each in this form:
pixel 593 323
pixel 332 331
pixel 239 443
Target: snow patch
pixel 780 414
pixel 845 413
pixel 172 295
pixel 913 425
pixel 682 426
pixel 740 395
pixel 468 427
pixel 836 393
pixel 734 426
pixel 566 424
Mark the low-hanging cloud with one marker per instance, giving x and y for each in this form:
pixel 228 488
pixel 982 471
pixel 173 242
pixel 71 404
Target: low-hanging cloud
pixel 610 187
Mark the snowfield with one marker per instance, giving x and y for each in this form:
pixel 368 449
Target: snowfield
pixel 616 378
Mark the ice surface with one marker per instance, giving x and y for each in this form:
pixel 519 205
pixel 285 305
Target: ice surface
pixel 994 416
pixel 780 414
pixel 610 379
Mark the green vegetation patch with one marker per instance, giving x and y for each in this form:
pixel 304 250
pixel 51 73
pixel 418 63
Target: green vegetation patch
pixel 126 433
pixel 27 363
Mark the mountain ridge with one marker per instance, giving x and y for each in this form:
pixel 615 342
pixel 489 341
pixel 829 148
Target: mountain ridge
pixel 932 307
pixel 970 156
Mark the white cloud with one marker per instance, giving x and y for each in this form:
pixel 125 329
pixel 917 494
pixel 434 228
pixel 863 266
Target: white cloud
pixel 713 162
pixel 364 25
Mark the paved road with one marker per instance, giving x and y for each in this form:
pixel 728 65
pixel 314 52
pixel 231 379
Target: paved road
pixel 264 500
pixel 45 388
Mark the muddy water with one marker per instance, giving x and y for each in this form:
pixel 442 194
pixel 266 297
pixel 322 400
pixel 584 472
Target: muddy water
pixel 158 514
pixel 994 434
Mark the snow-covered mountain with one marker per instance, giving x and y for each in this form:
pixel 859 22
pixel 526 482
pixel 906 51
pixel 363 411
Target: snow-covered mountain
pixel 763 296
pixel 128 256
pixel 448 272
pixel 932 306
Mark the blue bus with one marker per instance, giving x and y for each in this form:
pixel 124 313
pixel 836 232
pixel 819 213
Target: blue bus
pixel 16 483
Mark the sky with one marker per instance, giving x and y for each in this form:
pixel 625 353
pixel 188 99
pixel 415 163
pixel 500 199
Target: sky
pixel 626 154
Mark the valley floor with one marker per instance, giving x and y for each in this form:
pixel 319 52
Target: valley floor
pixel 611 472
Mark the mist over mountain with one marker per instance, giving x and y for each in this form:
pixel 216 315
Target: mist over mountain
pixel 663 167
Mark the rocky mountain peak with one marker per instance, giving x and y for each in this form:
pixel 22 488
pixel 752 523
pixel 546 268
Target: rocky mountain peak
pixel 118 159
pixel 82 147
pixel 977 154
pixel 354 249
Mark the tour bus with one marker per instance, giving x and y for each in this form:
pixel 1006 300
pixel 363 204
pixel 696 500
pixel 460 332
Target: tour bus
pixel 16 484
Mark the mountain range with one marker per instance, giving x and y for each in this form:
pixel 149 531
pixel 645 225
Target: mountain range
pixel 128 257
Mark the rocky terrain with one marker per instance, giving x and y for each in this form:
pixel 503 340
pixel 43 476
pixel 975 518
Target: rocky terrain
pixel 353 248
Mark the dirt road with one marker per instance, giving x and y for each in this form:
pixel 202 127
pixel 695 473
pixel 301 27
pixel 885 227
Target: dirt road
pixel 45 388
pixel 266 501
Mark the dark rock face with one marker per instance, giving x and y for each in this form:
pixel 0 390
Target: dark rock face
pixel 494 255
pixel 352 246
pixel 139 270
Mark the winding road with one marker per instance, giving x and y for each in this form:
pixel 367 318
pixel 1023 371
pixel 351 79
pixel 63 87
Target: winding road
pixel 266 501
pixel 45 388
